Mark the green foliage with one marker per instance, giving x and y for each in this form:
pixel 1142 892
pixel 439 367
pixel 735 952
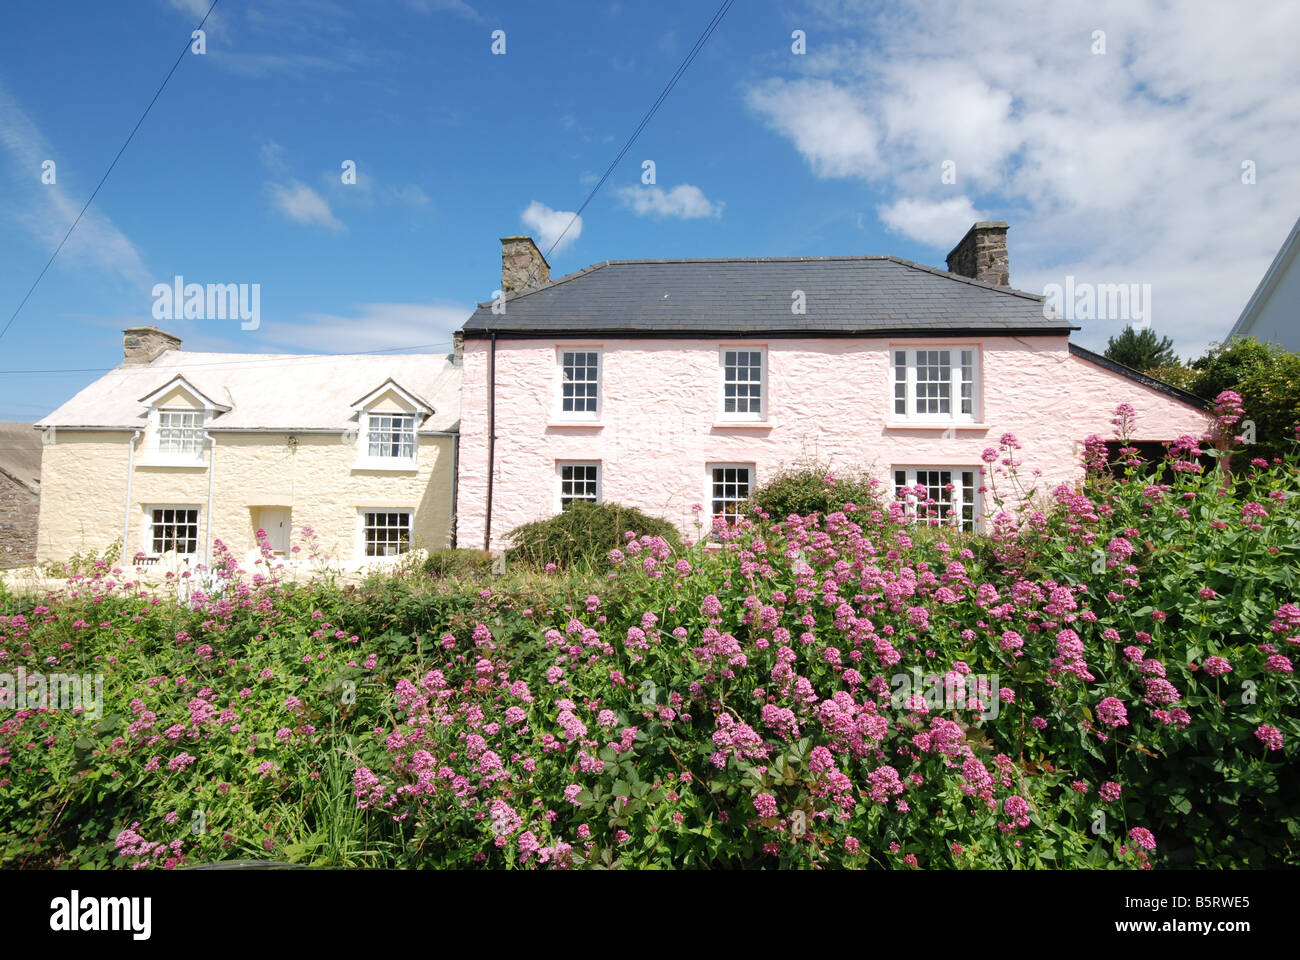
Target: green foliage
pixel 731 704
pixel 1268 379
pixel 444 564
pixel 86 564
pixel 809 488
pixel 1142 350
pixel 583 532
pixel 1176 374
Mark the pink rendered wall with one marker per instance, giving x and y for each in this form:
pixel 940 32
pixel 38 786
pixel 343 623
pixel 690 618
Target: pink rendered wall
pixel 828 398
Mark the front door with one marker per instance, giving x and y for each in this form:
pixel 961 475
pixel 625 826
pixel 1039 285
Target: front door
pixel 278 525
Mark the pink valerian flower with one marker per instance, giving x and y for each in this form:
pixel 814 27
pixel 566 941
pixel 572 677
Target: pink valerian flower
pixel 1142 837
pixel 1112 713
pixel 1216 666
pixel 1016 808
pixel 1110 791
pixel 1160 691
pixel 1278 664
pixel 1287 619
pixel 884 784
pixel 765 804
pixel 1269 735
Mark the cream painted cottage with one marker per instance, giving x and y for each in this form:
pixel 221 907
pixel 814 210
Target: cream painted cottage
pixel 172 450
pixel 663 384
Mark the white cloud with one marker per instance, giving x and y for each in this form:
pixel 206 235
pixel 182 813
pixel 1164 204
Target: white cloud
pixel 934 223
pixel 1121 167
pixel 827 124
pixel 547 226
pixel 47 210
pixel 459 7
pixel 683 201
pixel 302 204
pixel 374 326
pixel 194 11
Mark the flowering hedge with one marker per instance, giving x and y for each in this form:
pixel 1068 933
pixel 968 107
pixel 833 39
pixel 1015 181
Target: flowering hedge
pixel 1103 678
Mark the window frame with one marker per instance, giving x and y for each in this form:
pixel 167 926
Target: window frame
pixel 752 484
pixel 585 416
pixel 196 456
pixel 153 508
pixel 559 481
pixel 749 416
pixel 363 527
pixel 957 506
pixel 955 380
pixel 385 459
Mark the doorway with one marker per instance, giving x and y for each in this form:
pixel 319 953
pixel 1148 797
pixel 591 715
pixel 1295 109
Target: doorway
pixel 278 524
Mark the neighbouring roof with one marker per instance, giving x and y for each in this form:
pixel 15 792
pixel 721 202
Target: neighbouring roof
pixel 20 454
pixel 844 296
pixel 267 392
pixel 1168 389
pixel 1285 256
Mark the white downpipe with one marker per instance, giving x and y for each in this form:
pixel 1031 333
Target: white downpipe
pixel 130 475
pixel 207 526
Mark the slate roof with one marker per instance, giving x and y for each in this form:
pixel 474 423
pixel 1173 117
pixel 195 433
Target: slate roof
pixel 267 392
pixel 845 296
pixel 20 454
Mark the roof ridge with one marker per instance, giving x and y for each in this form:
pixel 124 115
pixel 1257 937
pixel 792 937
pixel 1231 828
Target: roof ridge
pixel 1010 291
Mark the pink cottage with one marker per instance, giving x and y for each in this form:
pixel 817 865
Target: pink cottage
pixel 666 384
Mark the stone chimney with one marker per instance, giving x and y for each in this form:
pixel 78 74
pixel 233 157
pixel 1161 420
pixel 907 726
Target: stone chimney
pixel 522 265
pixel 982 254
pixel 142 345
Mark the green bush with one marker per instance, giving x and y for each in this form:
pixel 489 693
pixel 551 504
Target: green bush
pixel 813 487
pixel 1268 379
pixel 444 564
pixel 584 532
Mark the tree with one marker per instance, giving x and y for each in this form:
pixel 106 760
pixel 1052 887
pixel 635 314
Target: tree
pixel 1268 379
pixel 1141 350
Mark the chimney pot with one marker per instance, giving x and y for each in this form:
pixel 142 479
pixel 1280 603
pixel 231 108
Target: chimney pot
pixel 141 345
pixel 522 265
pixel 982 254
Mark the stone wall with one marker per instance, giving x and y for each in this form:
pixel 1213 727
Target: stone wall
pixel 19 513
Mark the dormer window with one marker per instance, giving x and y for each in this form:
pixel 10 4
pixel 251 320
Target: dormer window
pixel 179 415
pixel 388 419
pixel 392 436
pixel 180 433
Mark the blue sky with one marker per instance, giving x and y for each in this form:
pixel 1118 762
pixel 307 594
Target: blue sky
pixel 1117 166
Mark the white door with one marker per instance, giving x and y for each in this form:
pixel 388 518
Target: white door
pixel 278 525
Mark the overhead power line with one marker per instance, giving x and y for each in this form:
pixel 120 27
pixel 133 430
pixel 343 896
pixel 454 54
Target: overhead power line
pixel 86 207
pixel 649 114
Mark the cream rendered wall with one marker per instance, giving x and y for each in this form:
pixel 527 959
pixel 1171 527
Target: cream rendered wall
pixel 84 485
pixel 828 398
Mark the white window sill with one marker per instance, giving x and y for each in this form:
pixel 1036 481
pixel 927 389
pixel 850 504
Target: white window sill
pixel 164 461
pixel 395 466
pixel 564 424
pixel 933 425
pixel 744 425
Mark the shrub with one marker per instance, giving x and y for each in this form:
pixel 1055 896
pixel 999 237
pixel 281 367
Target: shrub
pixel 86 564
pixel 814 487
pixel 1266 377
pixel 444 564
pixel 584 532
